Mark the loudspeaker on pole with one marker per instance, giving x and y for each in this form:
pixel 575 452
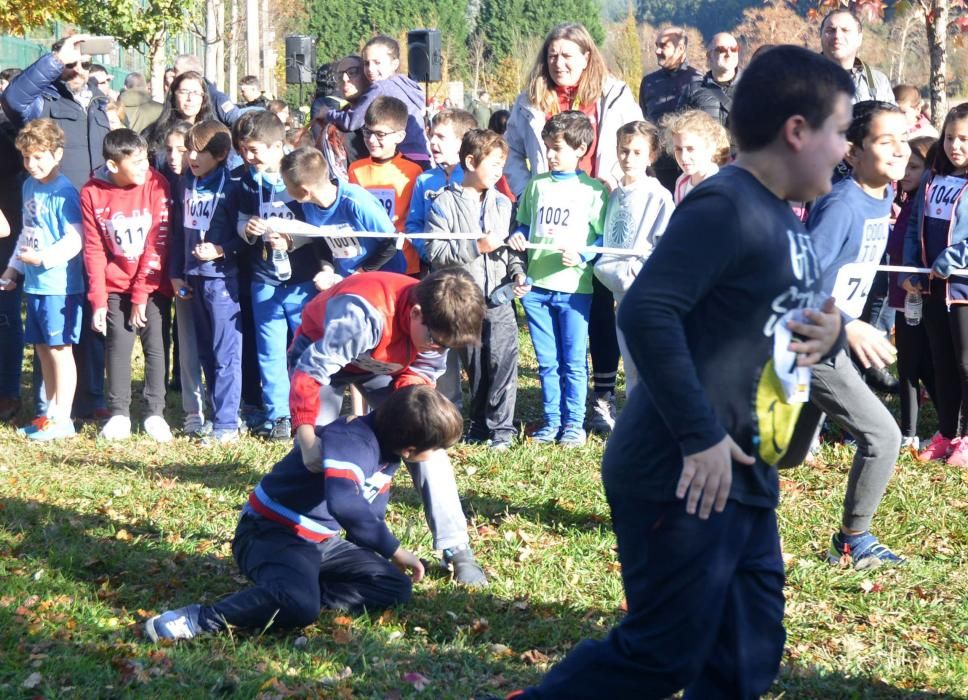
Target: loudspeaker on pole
pixel 424 60
pixel 300 59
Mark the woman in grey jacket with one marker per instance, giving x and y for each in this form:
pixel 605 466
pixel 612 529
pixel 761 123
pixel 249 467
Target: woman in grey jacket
pixel 570 73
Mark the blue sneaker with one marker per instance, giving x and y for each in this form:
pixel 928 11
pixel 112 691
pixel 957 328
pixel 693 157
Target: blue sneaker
pixel 546 433
pixel 33 427
pixel 174 624
pixel 864 550
pixel 572 435
pixel 53 429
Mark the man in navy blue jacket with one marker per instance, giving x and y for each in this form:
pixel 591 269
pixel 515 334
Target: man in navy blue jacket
pixel 56 86
pixel 288 539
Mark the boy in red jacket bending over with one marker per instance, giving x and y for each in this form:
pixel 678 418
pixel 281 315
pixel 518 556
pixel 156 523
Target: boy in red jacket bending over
pixel 382 331
pixel 125 219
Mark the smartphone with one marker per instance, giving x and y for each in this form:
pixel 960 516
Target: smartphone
pixel 97 46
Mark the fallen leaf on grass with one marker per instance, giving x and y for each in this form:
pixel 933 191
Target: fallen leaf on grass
pixel 343 621
pixel 497 681
pixel 338 678
pixel 500 650
pixel 341 635
pixel 417 680
pixel 32 681
pixel 480 626
pixel 869 586
pixel 533 657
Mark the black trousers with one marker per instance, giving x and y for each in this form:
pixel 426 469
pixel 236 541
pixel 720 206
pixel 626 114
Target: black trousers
pixel 294 579
pixel 120 343
pixel 602 340
pixel 492 369
pixel 947 333
pixel 914 367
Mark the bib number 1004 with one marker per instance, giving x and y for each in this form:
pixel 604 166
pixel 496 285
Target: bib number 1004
pixel 556 216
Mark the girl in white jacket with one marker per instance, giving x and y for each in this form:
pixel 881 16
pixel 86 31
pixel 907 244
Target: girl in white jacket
pixel 638 211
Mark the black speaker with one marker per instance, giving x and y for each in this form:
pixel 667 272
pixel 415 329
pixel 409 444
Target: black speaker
pixel 424 61
pixel 300 59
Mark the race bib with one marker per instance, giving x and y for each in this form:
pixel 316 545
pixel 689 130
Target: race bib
pixel 31 237
pixel 388 200
pixel 343 248
pixel 942 195
pixel 561 219
pixel 128 233
pixel 199 210
pixel 792 379
pixel 275 210
pixel 854 280
pixel 368 364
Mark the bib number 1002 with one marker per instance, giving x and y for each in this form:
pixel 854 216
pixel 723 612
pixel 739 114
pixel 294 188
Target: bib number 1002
pixel 556 216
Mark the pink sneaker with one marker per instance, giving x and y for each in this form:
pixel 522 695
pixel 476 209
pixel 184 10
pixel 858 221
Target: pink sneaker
pixel 938 448
pixel 959 453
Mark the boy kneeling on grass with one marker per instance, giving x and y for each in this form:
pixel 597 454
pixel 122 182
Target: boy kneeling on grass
pixel 288 539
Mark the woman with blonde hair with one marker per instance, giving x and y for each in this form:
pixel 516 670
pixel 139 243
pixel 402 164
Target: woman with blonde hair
pixel 570 74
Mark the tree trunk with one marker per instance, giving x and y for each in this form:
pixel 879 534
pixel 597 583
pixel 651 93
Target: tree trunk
pixel 156 61
pixel 937 27
pixel 268 75
pixel 233 84
pixel 212 28
pixel 252 37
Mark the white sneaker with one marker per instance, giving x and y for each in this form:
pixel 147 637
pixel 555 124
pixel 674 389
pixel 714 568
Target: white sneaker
pixel 117 428
pixel 912 442
pixel 157 429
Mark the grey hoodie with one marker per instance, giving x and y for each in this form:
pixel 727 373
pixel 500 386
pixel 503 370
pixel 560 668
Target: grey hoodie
pixel 459 210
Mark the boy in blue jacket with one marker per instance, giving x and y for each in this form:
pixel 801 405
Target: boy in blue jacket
pixel 288 539
pixel 203 267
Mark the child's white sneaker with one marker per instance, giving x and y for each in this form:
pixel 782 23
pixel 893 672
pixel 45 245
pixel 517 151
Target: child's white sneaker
pixel 157 429
pixel 117 428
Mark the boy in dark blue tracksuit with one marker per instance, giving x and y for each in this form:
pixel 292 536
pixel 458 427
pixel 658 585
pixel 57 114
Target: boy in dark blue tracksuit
pixel 706 322
pixel 202 265
pixel 288 538
pixel 281 269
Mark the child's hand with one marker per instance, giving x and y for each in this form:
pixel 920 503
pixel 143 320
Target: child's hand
pixel 8 281
pixel 912 285
pixel 206 252
pixel 521 286
pixel 570 257
pixel 99 321
pixel 407 561
pixel 178 284
pixel 139 316
pixel 325 279
pixel 29 257
pixel 311 448
pixel 4 226
pixel 256 227
pixel 517 241
pixel 489 243
pixel 277 241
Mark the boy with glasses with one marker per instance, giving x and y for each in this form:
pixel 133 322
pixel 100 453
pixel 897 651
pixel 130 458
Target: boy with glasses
pixel 386 174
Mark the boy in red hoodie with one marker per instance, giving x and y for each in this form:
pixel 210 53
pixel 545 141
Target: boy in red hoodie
pixel 125 218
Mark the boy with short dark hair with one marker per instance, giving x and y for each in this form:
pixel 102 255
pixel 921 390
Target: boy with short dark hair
pixel 386 174
pixel 328 203
pixel 713 305
pixel 125 218
pixel 382 331
pixel 288 539
pixel 381 61
pixel 282 268
pixel 48 258
pixel 564 208
pixel 204 268
pixel 476 207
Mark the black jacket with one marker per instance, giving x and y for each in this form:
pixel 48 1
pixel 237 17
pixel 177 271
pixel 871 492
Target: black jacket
pixel 660 91
pixel 712 98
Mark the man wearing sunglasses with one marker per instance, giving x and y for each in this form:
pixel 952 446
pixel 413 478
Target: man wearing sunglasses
pixel 56 86
pixel 714 95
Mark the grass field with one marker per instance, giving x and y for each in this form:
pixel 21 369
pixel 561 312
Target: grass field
pixel 94 537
